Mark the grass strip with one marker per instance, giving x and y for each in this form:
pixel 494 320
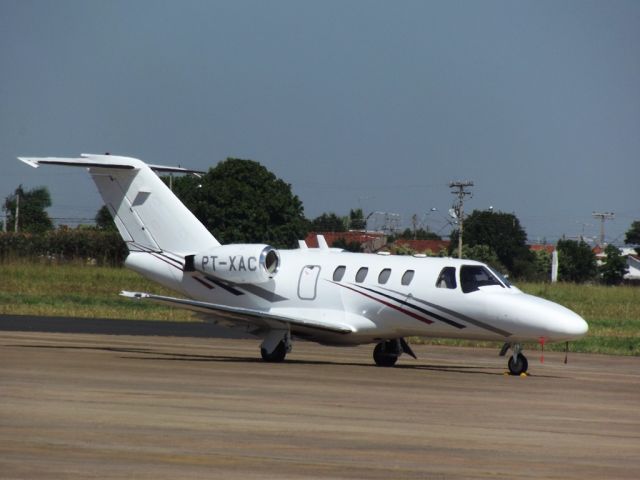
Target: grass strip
pixel 77 290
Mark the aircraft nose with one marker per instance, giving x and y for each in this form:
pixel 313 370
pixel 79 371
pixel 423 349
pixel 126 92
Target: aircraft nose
pixel 576 326
pixel 537 318
pixel 562 323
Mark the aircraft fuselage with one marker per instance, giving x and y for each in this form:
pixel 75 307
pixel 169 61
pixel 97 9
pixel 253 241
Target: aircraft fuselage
pixel 378 296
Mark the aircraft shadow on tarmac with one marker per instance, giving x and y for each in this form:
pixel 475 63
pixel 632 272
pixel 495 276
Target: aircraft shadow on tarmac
pixel 179 357
pixel 154 355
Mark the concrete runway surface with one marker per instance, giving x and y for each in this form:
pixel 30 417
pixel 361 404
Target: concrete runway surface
pixel 106 406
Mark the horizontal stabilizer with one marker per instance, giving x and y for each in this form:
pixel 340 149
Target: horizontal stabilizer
pixel 164 169
pixel 88 160
pixel 246 315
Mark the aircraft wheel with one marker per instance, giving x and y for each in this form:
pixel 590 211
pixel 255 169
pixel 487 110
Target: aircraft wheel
pixel 277 355
pixel 519 365
pixel 382 357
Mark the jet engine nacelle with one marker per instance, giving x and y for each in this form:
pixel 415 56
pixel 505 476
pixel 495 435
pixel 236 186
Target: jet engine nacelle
pixel 238 263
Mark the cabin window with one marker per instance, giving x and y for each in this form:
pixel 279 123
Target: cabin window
pixel 447 278
pixel 407 277
pixel 338 273
pixel 384 276
pixel 472 277
pixel 362 274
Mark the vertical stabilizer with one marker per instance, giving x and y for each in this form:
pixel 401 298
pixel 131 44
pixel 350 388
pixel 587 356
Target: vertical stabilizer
pixel 148 215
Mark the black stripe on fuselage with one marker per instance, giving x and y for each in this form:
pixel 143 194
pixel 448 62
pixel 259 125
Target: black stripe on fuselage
pixel 168 260
pixel 419 309
pixel 384 302
pixel 202 282
pixel 262 292
pixel 236 288
pixel 160 255
pixel 229 287
pixel 459 316
pixel 224 286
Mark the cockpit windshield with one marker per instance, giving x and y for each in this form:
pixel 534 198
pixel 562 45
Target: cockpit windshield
pixel 472 277
pixel 501 277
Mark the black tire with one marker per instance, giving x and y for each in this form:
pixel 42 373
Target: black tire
pixel 277 355
pixel 519 365
pixel 382 357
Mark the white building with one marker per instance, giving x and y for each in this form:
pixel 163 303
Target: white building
pixel 633 262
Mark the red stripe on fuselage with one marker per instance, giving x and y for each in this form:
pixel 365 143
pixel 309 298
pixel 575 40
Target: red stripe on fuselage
pixel 390 305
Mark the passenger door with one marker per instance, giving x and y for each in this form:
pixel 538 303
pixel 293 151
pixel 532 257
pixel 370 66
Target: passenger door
pixel 308 282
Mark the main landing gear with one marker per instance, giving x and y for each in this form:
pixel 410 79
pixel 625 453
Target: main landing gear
pixel 276 355
pixel 275 346
pixel 386 353
pixel 518 363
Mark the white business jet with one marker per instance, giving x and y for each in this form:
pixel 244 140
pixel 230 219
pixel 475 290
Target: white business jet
pixel 320 294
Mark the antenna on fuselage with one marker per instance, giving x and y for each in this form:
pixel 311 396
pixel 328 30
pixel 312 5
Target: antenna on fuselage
pixel 322 242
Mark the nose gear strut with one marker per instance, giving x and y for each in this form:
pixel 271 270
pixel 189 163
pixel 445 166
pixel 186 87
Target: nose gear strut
pixel 518 363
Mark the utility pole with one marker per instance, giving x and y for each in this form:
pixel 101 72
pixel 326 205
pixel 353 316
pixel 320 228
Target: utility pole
pixel 459 190
pixel 15 226
pixel 603 216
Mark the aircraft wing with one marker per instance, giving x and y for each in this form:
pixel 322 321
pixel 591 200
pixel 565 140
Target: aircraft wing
pixel 239 314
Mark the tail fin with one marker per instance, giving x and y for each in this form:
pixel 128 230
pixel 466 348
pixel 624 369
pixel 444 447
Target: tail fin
pixel 148 215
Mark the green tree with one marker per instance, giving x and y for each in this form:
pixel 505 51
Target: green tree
pixel 614 267
pixel 31 206
pixel 503 234
pixel 328 222
pixel 356 219
pixel 104 220
pixel 419 234
pixel 484 254
pixel 348 246
pixel 240 201
pixel 402 250
pixel 576 261
pixel 542 266
pixel 632 237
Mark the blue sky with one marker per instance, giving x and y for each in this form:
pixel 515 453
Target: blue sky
pixel 370 104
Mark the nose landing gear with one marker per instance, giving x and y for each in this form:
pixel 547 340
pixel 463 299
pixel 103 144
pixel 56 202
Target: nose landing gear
pixel 518 363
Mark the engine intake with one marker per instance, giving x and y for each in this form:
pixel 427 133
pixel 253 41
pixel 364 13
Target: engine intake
pixel 237 263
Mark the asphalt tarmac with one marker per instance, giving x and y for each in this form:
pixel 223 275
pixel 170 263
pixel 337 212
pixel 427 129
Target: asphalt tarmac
pixel 24 323
pixel 80 405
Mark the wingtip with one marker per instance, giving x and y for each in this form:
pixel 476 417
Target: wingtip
pixel 29 161
pixel 136 295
